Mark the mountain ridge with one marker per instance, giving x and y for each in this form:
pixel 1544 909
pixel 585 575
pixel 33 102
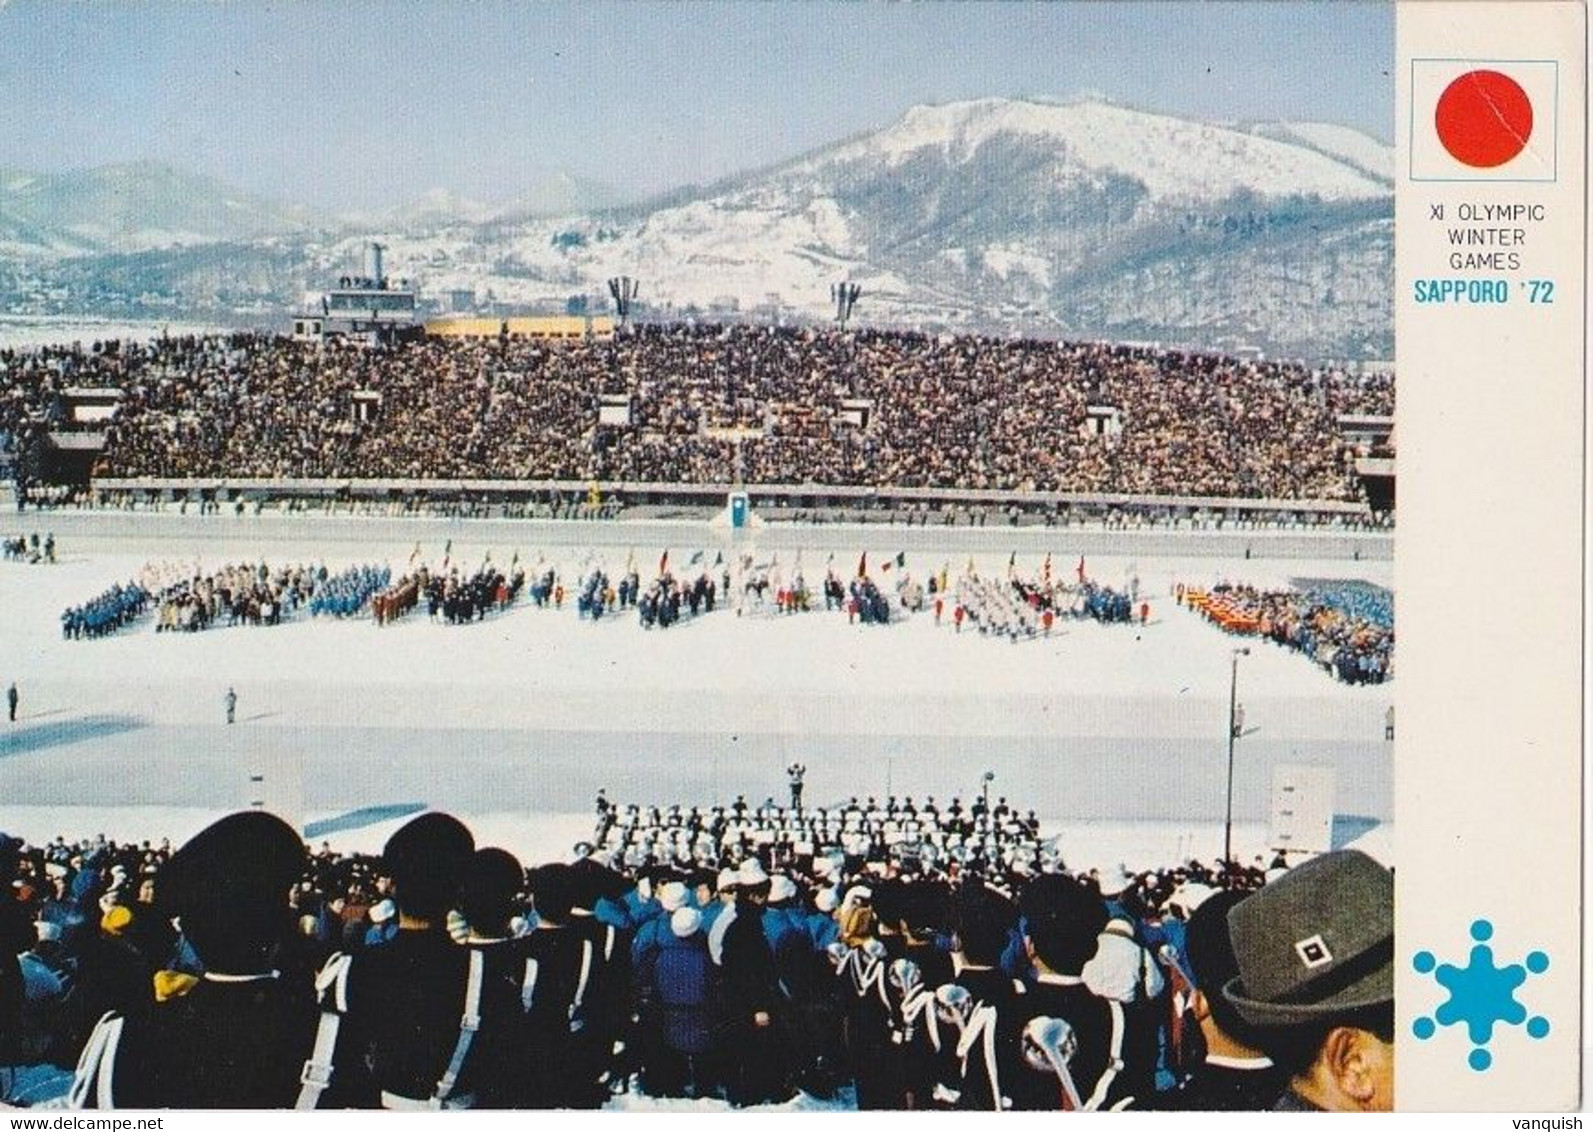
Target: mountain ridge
pixel 1074 218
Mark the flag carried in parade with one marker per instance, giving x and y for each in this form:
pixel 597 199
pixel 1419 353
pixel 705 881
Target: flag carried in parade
pixel 696 558
pixel 862 565
pixel 1081 569
pixel 663 564
pixel 414 554
pixel 1012 564
pixel 1046 572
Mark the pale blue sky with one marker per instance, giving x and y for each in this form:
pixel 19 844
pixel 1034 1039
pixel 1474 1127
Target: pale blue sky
pixel 361 104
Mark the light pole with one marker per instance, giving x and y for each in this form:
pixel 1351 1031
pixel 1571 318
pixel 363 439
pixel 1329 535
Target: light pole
pixel 1233 702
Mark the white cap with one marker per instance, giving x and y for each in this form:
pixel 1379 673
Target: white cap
pixel 826 900
pixel 751 873
pixel 726 880
pixel 781 888
pixel 672 895
pixel 1115 879
pixel 857 893
pixel 381 913
pixel 1121 970
pixel 685 921
pixel 1190 896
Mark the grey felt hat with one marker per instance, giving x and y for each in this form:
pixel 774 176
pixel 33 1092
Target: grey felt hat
pixel 1315 944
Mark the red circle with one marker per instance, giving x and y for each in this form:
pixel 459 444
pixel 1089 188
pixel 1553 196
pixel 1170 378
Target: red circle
pixel 1484 119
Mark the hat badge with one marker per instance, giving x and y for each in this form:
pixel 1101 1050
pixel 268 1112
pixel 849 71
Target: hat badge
pixel 1313 952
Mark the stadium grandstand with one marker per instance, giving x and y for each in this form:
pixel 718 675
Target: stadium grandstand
pixel 805 414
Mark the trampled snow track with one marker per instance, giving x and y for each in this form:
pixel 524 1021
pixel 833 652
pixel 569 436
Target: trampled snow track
pixel 531 711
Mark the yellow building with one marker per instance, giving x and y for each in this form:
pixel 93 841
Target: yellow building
pixel 552 328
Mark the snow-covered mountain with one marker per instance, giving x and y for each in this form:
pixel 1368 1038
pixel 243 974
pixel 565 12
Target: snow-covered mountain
pixel 133 207
pixel 556 194
pixel 1080 219
pixel 1085 219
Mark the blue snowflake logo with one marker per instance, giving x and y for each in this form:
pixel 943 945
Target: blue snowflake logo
pixel 1480 995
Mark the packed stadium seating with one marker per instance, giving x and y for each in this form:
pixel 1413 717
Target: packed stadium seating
pixel 719 404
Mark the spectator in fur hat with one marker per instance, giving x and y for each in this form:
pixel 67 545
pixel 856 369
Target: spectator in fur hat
pixel 990 1042
pixel 560 1063
pixel 1116 1053
pixel 399 1003
pixel 489 898
pixel 239 1036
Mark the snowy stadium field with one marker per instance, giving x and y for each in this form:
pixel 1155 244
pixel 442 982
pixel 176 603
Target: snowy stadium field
pixel 1114 735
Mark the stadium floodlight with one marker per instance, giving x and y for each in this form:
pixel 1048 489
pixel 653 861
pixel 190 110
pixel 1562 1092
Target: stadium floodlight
pixel 1233 733
pixel 624 290
pixel 844 296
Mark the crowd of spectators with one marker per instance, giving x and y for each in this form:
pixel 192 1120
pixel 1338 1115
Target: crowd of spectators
pixel 1346 630
pixel 893 954
pixel 721 404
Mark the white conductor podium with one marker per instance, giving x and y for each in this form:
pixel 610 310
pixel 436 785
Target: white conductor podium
pixel 1302 809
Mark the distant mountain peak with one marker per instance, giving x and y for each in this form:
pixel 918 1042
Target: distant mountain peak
pixel 1172 157
pixel 1077 217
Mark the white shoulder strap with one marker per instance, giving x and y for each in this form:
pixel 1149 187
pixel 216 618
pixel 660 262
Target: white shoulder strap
pixel 331 986
pixel 981 1028
pixel 716 935
pixel 1114 1059
pixel 469 1023
pixel 528 985
pixel 580 985
pixel 92 1083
